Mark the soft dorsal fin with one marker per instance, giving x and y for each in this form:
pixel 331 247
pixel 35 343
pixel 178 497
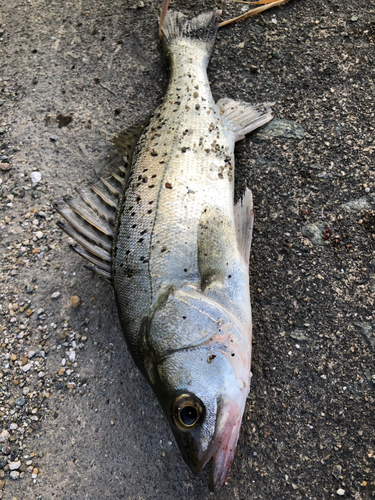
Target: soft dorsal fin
pixel 90 219
pixel 244 117
pixel 244 220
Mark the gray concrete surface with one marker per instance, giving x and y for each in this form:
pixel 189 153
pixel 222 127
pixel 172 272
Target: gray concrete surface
pixel 98 433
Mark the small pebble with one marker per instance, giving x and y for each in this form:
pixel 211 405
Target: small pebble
pixel 14 474
pixel 75 301
pixel 39 235
pixel 26 367
pixel 5 167
pixel 340 492
pixel 55 295
pixel 4 434
pixel 14 465
pixel 35 177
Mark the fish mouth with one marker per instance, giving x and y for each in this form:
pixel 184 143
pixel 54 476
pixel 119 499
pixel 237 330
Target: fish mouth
pixel 223 445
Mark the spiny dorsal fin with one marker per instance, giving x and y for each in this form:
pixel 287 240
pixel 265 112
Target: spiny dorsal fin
pixel 90 219
pixel 112 186
pixel 126 141
pixel 244 220
pixel 97 204
pixel 89 215
pixel 85 243
pixel 105 194
pixel 244 117
pixel 86 229
pixel 91 258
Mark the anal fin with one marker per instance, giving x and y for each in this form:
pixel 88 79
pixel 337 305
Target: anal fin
pixel 244 117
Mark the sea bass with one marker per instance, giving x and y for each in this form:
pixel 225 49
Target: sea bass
pixel 167 234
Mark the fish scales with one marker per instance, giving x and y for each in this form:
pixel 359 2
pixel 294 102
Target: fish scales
pixel 179 272
pixel 181 169
pixel 180 251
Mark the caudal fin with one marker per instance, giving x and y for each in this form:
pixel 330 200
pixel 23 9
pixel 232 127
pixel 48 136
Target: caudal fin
pixel 202 28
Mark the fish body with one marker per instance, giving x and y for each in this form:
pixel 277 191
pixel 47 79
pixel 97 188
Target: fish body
pixel 180 253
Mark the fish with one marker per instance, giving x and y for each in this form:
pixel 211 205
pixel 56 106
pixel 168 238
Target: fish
pixel 165 231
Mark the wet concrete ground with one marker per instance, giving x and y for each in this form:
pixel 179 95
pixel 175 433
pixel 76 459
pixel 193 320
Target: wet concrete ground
pixel 308 429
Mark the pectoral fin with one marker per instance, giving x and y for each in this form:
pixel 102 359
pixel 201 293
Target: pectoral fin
pixel 215 247
pixel 244 220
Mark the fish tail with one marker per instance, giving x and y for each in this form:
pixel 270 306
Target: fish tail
pixel 177 27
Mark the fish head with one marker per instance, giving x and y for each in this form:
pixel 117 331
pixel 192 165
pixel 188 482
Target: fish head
pixel 202 380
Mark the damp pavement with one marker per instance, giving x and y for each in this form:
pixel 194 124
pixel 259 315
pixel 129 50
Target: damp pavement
pixel 77 420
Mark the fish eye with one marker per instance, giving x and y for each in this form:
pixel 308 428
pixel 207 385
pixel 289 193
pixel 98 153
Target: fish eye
pixel 188 415
pixel 187 411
